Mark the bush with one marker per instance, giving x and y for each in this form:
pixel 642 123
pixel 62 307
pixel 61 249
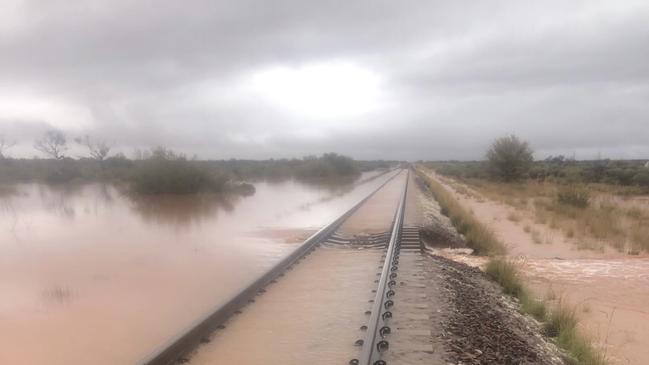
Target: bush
pixel 642 178
pixel 64 171
pixel 327 166
pixel 509 158
pixel 576 196
pixel 166 172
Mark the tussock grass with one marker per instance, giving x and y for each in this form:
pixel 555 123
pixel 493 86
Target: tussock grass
pixel 505 274
pixel 562 325
pixel 594 215
pixel 480 238
pixel 559 323
pixel 576 196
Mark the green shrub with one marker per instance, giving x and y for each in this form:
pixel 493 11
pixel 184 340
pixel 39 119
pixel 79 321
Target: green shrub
pixel 165 172
pixel 328 165
pixel 509 158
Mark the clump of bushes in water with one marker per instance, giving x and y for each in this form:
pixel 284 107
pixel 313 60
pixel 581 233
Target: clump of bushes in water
pixel 326 166
pixel 167 172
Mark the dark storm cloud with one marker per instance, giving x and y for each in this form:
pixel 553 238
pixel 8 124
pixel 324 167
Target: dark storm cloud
pixel 571 77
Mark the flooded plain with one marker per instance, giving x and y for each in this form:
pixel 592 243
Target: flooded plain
pixel 91 274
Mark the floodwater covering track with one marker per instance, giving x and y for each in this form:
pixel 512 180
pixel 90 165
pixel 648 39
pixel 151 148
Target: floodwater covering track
pixel 179 347
pixel 375 343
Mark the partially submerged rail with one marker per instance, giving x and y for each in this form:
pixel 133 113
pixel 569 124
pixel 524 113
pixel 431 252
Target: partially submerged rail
pixel 375 343
pixel 177 349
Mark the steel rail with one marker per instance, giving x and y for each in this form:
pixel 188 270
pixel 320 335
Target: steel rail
pixel 375 343
pixel 179 347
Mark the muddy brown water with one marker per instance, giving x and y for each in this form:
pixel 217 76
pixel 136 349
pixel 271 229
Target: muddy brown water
pixel 90 275
pixel 313 314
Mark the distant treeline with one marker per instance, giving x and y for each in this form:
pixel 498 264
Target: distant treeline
pixel 561 169
pixel 161 170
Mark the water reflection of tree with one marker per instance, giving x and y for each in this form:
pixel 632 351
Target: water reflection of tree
pixel 58 198
pixel 7 208
pixel 181 211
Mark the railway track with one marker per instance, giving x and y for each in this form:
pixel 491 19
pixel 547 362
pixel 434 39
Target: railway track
pixel 376 342
pixel 177 349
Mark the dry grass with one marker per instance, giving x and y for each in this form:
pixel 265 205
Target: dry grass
pixel 478 237
pixel 560 323
pixel 593 215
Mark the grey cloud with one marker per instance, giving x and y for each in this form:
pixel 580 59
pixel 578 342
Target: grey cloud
pixel 567 76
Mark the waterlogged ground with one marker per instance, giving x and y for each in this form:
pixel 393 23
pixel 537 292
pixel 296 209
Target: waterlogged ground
pixel 608 289
pixel 609 295
pixel 92 275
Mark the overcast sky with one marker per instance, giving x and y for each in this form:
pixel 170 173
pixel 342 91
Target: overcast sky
pixel 371 79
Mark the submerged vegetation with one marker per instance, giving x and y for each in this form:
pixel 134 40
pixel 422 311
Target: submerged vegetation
pixel 162 170
pixel 168 172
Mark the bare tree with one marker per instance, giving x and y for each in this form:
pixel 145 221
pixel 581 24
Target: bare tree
pixel 98 149
pixel 53 144
pixel 4 146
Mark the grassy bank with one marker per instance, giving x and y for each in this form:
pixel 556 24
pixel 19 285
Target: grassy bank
pixel 477 236
pixel 559 322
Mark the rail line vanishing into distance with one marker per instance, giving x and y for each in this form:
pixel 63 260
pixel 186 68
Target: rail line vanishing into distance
pixel 377 331
pixel 378 327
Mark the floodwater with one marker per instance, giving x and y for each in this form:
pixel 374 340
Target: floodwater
pixel 610 296
pixel 91 275
pixel 313 314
